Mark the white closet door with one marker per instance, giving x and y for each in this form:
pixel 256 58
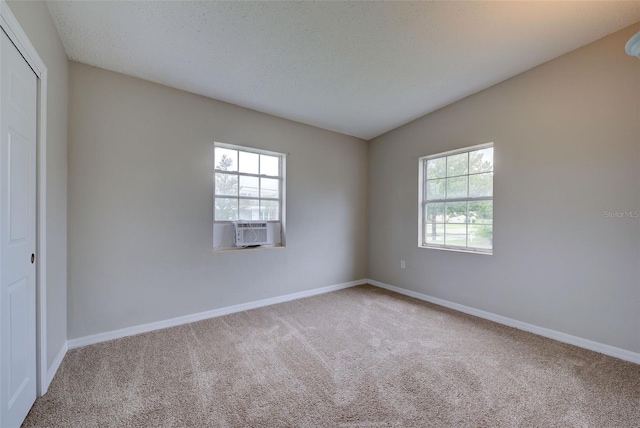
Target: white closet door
pixel 18 92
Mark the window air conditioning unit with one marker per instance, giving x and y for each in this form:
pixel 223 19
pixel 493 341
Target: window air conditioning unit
pixel 249 234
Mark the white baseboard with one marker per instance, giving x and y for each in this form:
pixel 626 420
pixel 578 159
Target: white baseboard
pixel 612 351
pixel 144 328
pixel 55 366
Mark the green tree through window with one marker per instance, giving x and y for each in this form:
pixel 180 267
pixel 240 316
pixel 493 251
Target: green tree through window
pixel 226 184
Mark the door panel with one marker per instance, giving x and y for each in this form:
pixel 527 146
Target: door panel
pixel 18 329
pixel 18 104
pixel 18 187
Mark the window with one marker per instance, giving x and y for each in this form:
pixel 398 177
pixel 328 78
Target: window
pixel 456 200
pixel 249 185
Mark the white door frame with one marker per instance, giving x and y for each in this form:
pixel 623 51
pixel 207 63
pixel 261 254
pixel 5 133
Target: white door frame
pixel 10 25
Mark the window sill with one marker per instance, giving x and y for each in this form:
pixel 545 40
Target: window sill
pixel 455 250
pixel 241 249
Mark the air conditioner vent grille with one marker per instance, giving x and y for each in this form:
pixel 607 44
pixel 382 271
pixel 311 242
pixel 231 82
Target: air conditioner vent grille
pixel 250 225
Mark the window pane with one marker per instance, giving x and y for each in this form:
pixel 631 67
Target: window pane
pixel 269 165
pixel 481 236
pixel 226 209
pixel 481 160
pixel 481 185
pixel 436 168
pixel 457 164
pixel 269 187
pixel 456 235
pixel 226 184
pixel 434 233
pixel 249 162
pixel 226 159
pixel 435 189
pixel 248 186
pixel 249 209
pixel 456 212
pixel 269 210
pixel 435 213
pixel 481 212
pixel 457 187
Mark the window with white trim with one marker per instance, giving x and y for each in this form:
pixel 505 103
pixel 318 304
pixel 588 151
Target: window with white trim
pixel 249 186
pixel 456 200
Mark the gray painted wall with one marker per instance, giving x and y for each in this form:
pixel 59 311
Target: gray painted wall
pixel 567 149
pixel 141 204
pixel 35 20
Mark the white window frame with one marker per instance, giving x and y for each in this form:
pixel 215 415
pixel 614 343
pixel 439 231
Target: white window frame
pixel 422 200
pixel 281 191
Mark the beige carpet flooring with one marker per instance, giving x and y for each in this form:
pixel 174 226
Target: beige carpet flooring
pixel 360 357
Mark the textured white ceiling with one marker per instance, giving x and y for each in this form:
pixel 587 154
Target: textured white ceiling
pixel 359 68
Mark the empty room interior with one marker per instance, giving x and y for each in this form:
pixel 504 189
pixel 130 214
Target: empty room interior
pixel 319 214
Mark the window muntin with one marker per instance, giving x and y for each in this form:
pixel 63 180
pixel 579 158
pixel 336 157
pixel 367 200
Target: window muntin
pixel 249 184
pixel 456 206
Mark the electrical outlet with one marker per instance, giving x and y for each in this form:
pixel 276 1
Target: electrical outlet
pixel 402 265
